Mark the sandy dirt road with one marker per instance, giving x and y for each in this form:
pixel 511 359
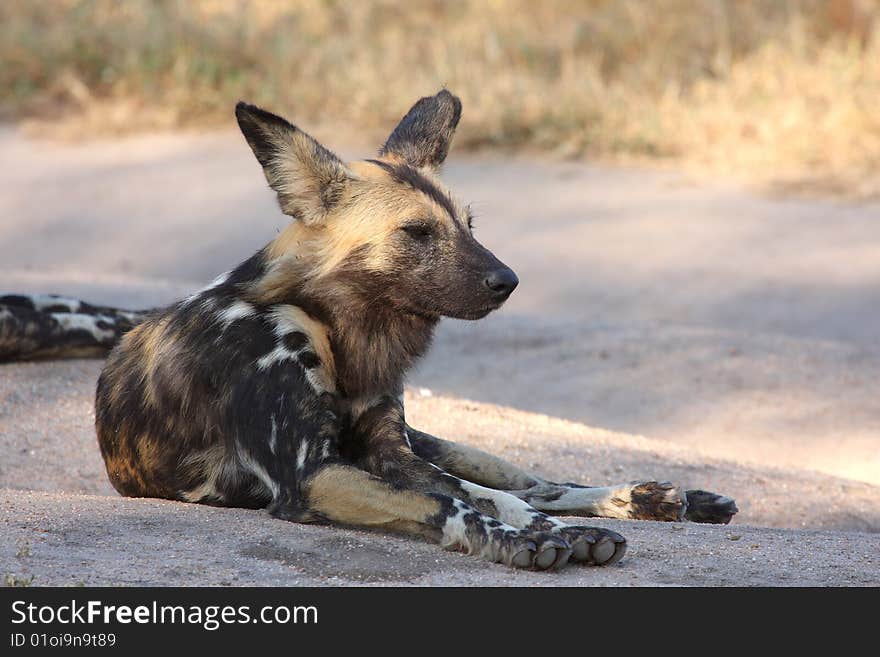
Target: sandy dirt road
pixel 738 333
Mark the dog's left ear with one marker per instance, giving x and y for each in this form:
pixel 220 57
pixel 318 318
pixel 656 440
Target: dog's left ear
pixel 423 136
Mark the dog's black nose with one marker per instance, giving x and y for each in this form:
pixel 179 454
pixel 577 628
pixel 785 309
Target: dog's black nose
pixel 502 282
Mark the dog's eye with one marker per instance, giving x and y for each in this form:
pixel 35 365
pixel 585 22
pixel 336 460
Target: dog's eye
pixel 417 230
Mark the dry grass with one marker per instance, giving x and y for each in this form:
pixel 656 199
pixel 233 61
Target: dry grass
pixel 781 90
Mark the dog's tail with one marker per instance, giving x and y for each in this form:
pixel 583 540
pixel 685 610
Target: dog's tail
pixel 48 326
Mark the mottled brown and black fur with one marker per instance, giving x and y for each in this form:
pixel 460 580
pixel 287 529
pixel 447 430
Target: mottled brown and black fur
pixel 280 384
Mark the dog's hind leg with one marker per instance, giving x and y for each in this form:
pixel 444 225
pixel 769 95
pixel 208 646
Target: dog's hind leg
pixel 350 496
pixel 470 463
pixel 644 500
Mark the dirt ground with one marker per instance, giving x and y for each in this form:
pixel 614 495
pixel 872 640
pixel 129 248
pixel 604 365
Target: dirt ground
pixel 64 525
pixel 737 332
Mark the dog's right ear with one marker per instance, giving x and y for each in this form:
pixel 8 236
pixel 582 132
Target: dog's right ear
pixel 308 178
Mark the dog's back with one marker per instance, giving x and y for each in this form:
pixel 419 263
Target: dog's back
pixel 186 402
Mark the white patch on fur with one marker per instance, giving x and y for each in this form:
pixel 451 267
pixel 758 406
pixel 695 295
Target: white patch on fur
pixel 250 465
pixel 278 354
pixel 510 510
pixel 220 280
pixel 289 319
pixel 281 353
pixel 455 534
pixel 598 499
pixel 89 323
pixel 273 436
pixel 42 301
pixel 284 324
pixel 454 527
pixel 210 286
pixel 301 453
pixel 235 311
pixel 606 502
pixel 315 379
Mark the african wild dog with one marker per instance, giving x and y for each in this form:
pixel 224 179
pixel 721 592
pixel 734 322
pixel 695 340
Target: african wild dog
pixel 280 384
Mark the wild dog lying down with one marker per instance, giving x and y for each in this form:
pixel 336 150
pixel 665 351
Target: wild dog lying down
pixel 280 384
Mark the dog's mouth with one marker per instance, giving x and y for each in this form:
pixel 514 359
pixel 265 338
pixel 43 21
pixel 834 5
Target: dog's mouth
pixel 434 314
pixel 435 307
pixel 475 313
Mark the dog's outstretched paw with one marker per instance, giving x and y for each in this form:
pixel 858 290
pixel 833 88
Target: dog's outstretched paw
pixel 536 550
pixel 593 546
pixel 703 506
pixel 653 500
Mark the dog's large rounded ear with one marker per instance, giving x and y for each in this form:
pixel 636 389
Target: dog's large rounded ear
pixel 423 136
pixel 308 178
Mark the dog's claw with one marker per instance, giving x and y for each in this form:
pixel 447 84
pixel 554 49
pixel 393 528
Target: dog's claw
pixel 594 546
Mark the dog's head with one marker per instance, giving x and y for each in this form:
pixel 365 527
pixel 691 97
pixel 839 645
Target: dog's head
pixel 384 229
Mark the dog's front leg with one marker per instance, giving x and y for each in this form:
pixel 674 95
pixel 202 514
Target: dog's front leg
pixel 379 443
pixel 637 500
pixel 642 500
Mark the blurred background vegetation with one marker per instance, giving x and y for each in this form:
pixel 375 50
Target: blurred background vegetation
pixel 782 90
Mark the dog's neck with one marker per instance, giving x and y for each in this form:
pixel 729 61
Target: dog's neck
pixel 376 347
pixel 374 343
